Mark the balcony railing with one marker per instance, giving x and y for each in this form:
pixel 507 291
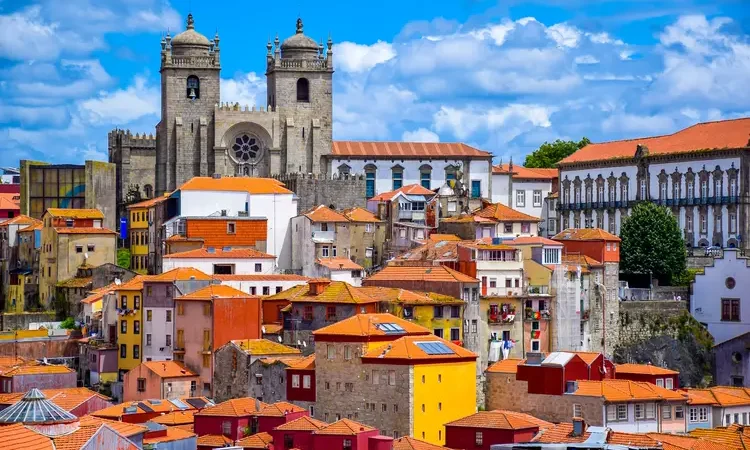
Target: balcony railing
pixel 499 318
pixel 531 314
pixel 686 201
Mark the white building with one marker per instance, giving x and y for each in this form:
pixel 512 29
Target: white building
pixel 218 261
pixel 524 190
pixel 243 197
pixel 340 269
pixel 390 165
pixel 262 284
pixel 696 172
pixel 720 296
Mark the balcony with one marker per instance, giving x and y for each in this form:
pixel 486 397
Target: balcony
pixel 531 314
pixel 503 292
pixel 538 290
pixel 501 318
pixel 323 237
pixel 412 216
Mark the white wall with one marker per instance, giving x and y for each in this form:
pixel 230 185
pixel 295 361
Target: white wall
pixel 528 187
pixel 242 266
pixel 501 188
pixel 258 285
pixel 345 276
pixel 739 410
pixel 635 426
pixel 159 328
pixel 205 203
pixel 710 288
pixel 517 230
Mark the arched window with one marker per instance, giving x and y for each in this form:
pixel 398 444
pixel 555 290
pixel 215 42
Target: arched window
pixel 370 171
pixel 344 169
pixel 425 176
pixel 193 87
pixel 148 191
pixel 397 175
pixel 450 173
pixel 303 90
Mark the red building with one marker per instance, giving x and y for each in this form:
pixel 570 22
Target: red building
pixel 659 376
pixel 592 242
pixel 232 417
pixel 344 434
pixel 552 375
pixel 296 434
pixel 600 368
pixel 486 428
pixel 27 376
pixel 300 380
pixel 10 205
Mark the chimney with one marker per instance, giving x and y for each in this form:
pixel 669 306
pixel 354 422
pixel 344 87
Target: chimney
pixel 316 287
pixel 579 426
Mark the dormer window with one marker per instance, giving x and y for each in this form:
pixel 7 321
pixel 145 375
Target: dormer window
pixel 303 90
pixel 193 88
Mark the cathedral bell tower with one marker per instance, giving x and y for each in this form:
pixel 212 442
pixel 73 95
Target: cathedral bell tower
pixel 299 76
pixel 190 72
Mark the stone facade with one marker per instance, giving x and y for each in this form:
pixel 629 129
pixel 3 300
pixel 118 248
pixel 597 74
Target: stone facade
pixel 337 191
pixel 135 159
pixel 272 386
pixel 640 321
pixel 298 330
pixel 346 389
pixel 231 373
pixel 604 302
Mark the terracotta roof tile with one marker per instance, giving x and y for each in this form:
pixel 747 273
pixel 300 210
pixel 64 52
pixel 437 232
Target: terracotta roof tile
pixel 169 369
pixel 723 395
pixel 75 213
pixel 563 433
pixel 256 441
pixel 407 348
pixel 525 173
pixel 35 369
pixel 30 228
pixel 724 134
pixel 585 234
pixel 175 418
pixel 242 184
pixel 418 273
pixel 216 291
pixel 506 366
pixel 84 230
pixel 360 215
pixel 218 253
pixel 280 409
pixel 173 434
pixel 437 237
pixel 181 274
pixel 432 251
pixel 368 325
pixel 148 203
pixel 123 428
pixel 339 264
pixel 676 442
pixel 272 328
pixel 700 397
pixel 409 189
pixel 18 437
pixel 236 407
pixel 307 363
pixel 261 277
pixel 264 347
pixel 345 427
pixel 501 420
pixel 304 423
pixel 733 437
pixel 333 292
pixel 533 240
pixel 405 149
pixel 626 390
pixel 588 357
pixel 409 443
pixel 643 369
pixel 502 213
pixel 21 220
pixel 406 297
pixel 574 259
pixel 214 440
pixel 322 213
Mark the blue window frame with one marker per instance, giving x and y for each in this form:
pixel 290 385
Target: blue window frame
pixel 425 180
pixel 370 184
pixel 476 188
pixel 398 179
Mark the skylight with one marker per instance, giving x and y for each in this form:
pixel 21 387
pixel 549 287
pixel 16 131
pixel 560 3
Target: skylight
pixel 435 348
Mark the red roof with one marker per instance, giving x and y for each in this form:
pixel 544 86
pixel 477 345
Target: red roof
pixel 724 134
pixel 521 172
pixel 237 253
pixel 409 189
pixel 585 234
pixel 322 213
pixel 339 264
pixel 405 149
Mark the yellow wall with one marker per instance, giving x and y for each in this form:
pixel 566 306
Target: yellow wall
pixel 130 339
pixel 138 234
pixel 449 399
pixel 424 315
pixel 23 334
pixel 107 377
pixel 16 291
pixel 536 274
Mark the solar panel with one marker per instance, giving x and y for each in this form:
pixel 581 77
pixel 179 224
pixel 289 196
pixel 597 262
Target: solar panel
pixel 145 407
pixel 391 328
pixel 155 402
pixel 197 402
pixel 130 410
pixel 435 348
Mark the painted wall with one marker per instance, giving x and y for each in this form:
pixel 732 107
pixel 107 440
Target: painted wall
pixel 265 286
pixel 300 393
pixel 130 339
pixel 156 387
pixel 23 383
pixel 242 266
pixel 465 437
pixel 214 425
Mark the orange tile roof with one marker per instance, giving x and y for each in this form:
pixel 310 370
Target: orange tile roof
pixel 339 264
pixel 124 428
pixel 173 434
pixel 214 440
pixel 30 228
pixel 237 184
pixel 169 369
pixel 581 260
pixel 405 149
pixel 179 238
pixel 344 427
pixel 432 251
pixel 678 442
pixel 21 220
pixel 235 253
pixel 361 215
pixel 35 369
pixel 66 398
pixel 236 407
pixel 118 411
pixel 723 395
pixel 502 213
pixel 75 213
pixel 585 234
pixel 406 349
pixel 366 325
pixel 406 297
pixel 148 203
pixel 418 273
pixel 700 397
pixel 262 277
pixel 527 173
pixel 333 292
pixel 437 237
pixel 134 284
pixel 264 347
pixel 83 230
pixel 272 328
pixel 506 366
pixel 467 218
pixel 501 420
pixel 409 443
pixel 10 201
pixel 304 423
pixel 409 189
pixel 280 409
pixel 307 363
pixel 626 390
pixel 322 213
pixel 18 437
pixel 256 441
pixel 588 357
pixel 734 436
pixel 643 369
pixel 181 274
pixel 562 434
pixel 97 294
pixel 175 418
pixel 213 291
pixel 724 134
pixel 533 240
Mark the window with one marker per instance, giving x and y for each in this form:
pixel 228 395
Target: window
pixel 455 312
pixel 193 88
pixel 577 413
pixel 476 188
pixel 478 439
pixel 136 352
pixel 622 412
pixel 331 351
pixel 347 352
pixel 732 222
pixel 537 198
pixel 375 377
pixel 149 315
pixel 325 252
pixel 169 340
pixel 455 334
pixel 123 351
pixel 90 248
pixel 650 410
pixel 669 383
pixel 730 310
pixel 370 181
pixel 704 224
pixel 438 332
pixel 79 248
pixel 206 361
pixel 666 412
pixel 508 227
pixel 141 385
pixel 397 176
pixel 136 327
pixel 660 382
pixel 295 381
pixel 266 290
pixel 704 189
pixel 703 414
pixel 137 302
pixel 689 223
pixel 452 206
pixel 308 312
pixel 303 90
pixel 206 309
pixel 640 411
pixel 231 228
pixel 169 316
pixel 306 381
pixel 535 345
pixel 124 302
pixel 520 198
pixel 679 412
pixel 289 440
pixel 226 428
pixel 347 444
pixel 123 327
pixel 438 312
pixel 643 189
pixel 424 176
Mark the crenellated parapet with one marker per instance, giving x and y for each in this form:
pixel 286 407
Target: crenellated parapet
pixel 236 107
pixel 124 138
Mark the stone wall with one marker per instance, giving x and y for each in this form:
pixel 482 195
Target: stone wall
pixel 228 382
pixel 49 347
pixel 643 320
pixel 101 191
pixel 341 192
pixel 345 388
pixel 505 392
pixel 21 321
pixel 273 382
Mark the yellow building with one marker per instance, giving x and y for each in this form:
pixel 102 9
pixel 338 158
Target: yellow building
pixel 129 297
pixel 412 382
pixel 138 234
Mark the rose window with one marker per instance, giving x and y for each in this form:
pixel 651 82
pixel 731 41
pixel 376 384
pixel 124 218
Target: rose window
pixel 246 148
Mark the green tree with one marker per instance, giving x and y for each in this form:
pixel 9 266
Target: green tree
pixel 652 243
pixel 123 258
pixel 549 154
pixel 69 324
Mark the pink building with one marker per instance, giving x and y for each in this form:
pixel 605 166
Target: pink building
pixel 159 379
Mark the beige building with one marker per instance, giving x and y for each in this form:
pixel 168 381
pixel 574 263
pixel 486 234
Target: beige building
pixel 69 238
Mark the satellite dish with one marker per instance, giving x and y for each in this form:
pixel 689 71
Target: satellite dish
pixel 118 281
pixel 279 338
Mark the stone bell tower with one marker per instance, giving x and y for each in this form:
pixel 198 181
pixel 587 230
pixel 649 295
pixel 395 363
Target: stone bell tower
pixel 300 88
pixel 190 73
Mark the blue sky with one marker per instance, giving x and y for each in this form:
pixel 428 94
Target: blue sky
pixel 503 76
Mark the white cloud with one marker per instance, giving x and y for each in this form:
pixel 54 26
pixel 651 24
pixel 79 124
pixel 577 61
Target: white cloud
pixel 247 90
pixel 695 33
pixel 24 36
pixel 463 123
pixel 564 35
pixel 586 59
pixel 420 135
pixel 351 57
pixel 123 105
